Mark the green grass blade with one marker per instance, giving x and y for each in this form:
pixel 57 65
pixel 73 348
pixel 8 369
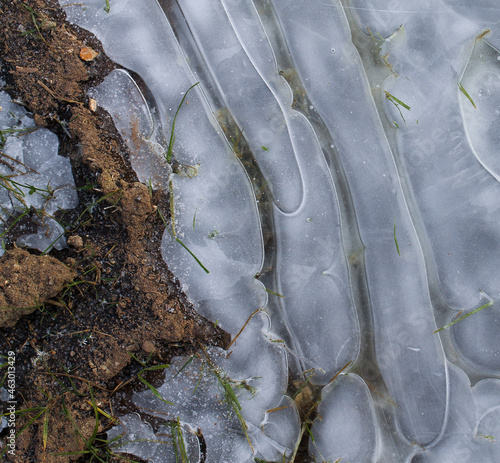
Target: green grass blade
pixel 194 218
pixel 462 89
pixel 178 442
pixel 189 360
pixel 231 400
pixel 194 257
pixel 153 390
pixel 395 239
pixel 172 136
pixel 199 379
pixel 149 385
pixel 172 207
pixel 88 443
pixel 45 432
pixel 396 101
pixel 182 244
pixel 96 414
pixel 273 293
pixel 308 429
pixel 463 317
pixel 12 225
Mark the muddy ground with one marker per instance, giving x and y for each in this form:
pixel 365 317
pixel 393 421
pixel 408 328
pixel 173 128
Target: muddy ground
pixel 85 320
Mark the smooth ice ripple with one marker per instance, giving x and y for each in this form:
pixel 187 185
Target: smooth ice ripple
pixel 347 427
pixel 313 269
pixel 472 429
pixel 250 100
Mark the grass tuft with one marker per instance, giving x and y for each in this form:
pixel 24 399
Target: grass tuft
pixel 178 441
pixel 229 395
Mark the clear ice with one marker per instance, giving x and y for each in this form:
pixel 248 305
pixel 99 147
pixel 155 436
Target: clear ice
pixel 334 188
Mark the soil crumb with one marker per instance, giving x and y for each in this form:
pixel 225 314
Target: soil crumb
pixel 27 282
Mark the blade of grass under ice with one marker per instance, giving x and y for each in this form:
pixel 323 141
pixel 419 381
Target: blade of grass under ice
pixel 462 89
pixel 463 317
pixel 172 135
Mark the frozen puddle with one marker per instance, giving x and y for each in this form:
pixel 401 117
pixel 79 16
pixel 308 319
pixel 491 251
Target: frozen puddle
pixel 335 191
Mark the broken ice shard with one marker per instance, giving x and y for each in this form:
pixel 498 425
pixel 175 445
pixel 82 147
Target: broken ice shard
pixel 33 176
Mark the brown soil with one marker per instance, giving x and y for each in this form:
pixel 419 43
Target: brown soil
pixel 106 307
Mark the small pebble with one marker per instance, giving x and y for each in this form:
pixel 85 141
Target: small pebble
pixel 75 241
pixel 87 54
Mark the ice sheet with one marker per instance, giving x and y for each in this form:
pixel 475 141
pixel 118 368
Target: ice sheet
pixel 409 359
pixel 450 168
pixel 341 165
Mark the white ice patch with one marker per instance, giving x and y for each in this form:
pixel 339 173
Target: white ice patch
pixel 34 179
pixel 255 373
pixel 120 96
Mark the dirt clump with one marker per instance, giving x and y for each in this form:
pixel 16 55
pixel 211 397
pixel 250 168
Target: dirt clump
pixel 113 309
pixel 28 281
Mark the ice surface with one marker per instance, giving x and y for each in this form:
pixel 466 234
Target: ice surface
pixel 452 178
pixel 353 211
pixel 312 267
pixel 347 428
pixel 410 359
pixel 196 389
pixel 34 177
pixel 121 97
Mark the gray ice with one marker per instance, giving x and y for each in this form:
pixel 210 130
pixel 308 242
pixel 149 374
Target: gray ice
pixel 341 166
pixel 347 429
pixel 397 281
